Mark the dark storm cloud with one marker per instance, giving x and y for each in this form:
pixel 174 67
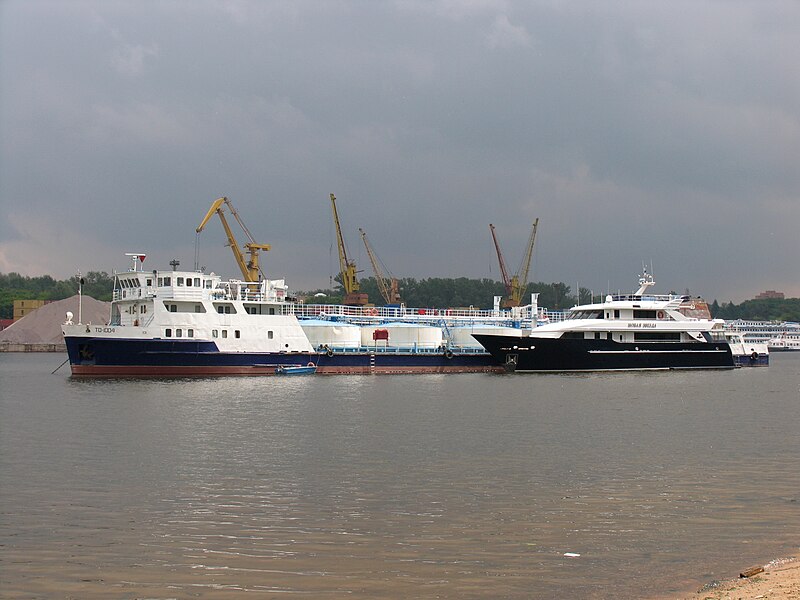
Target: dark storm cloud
pixel 635 131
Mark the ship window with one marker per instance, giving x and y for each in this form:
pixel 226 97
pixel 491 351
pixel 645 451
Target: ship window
pixel 178 333
pixel 270 335
pixel 224 333
pixel 188 282
pixel 190 333
pixel 657 336
pixel 160 281
pixel 220 310
pixel 179 281
pixel 198 308
pixel 608 315
pixel 144 309
pixel 644 314
pixel 214 333
pixel 572 335
pixel 272 310
pixel 167 281
pixel 173 308
pixel 237 333
pixel 208 284
pixel 196 282
pixel 168 333
pixel 149 282
pixel 616 313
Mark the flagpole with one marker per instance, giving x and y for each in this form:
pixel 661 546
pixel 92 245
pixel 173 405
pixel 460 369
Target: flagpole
pixel 80 298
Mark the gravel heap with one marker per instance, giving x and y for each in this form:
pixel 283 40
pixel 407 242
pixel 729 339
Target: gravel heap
pixel 43 326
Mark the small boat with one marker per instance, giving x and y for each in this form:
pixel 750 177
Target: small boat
pixel 747 354
pixel 308 369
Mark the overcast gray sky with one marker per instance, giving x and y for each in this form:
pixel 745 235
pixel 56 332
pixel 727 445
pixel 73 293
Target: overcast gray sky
pixel 657 132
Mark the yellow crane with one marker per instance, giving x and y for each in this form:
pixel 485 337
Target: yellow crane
pixel 347 267
pixel 387 285
pixel 250 269
pixel 517 283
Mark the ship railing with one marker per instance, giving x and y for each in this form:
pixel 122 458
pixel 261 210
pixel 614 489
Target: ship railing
pixel 433 316
pixel 646 297
pixel 409 349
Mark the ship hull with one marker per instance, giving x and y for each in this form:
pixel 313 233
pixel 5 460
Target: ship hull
pixel 558 355
pixel 118 357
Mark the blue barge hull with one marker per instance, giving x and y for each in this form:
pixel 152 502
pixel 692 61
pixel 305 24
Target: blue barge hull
pixel 105 357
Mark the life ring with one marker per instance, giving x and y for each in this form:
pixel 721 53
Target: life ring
pixel 660 314
pixel 754 355
pixel 329 352
pixel 372 312
pixel 311 364
pixel 448 354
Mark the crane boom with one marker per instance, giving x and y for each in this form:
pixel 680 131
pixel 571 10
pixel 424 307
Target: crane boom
pixel 250 268
pixel 522 274
pixel 386 285
pixel 503 271
pixel 347 268
pixel 516 284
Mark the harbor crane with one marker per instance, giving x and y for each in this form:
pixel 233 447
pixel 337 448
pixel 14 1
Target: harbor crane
pixel 249 268
pixel 387 285
pixel 516 284
pixel 347 267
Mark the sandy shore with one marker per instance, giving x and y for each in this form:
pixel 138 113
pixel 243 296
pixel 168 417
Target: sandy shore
pixel 780 579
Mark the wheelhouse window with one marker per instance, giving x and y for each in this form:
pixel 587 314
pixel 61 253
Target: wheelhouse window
pixel 179 281
pixel 168 333
pixel 167 281
pixel 178 333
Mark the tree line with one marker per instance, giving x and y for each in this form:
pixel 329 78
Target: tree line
pixel 13 286
pixel 433 292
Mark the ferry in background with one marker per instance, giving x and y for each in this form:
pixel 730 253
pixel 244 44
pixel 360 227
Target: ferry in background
pixel 189 323
pixel 762 331
pixel 788 341
pixel 626 332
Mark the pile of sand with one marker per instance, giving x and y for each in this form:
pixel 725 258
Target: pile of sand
pixel 43 326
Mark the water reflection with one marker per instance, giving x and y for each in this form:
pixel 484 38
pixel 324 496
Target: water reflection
pixel 394 486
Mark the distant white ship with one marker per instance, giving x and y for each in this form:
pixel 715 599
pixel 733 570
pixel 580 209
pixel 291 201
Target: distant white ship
pixel 762 331
pixel 785 342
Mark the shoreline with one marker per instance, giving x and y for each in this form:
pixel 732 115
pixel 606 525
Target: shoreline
pixel 780 579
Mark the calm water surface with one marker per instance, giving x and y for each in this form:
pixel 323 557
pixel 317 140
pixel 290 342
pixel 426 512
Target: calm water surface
pixel 412 486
